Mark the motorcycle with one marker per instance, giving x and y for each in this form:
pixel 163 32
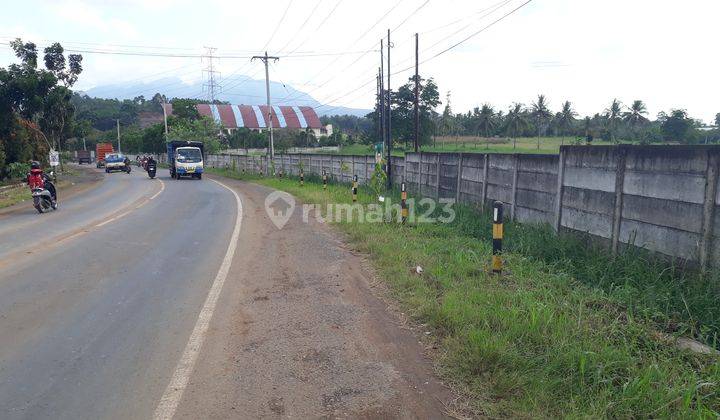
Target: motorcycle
pixel 42 198
pixel 151 169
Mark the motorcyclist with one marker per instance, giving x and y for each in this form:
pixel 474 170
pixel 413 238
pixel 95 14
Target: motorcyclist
pixel 127 164
pixel 39 179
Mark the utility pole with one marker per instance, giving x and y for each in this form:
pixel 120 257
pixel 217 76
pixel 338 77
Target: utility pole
pixel 377 103
pixel 213 76
pixel 118 135
pixel 165 121
pixel 417 97
pixel 382 92
pixel 389 117
pixel 84 146
pixel 266 59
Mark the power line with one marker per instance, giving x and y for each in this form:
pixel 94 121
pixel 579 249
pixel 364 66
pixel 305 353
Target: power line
pixel 317 28
pixel 351 45
pixel 302 25
pixel 278 25
pixel 506 15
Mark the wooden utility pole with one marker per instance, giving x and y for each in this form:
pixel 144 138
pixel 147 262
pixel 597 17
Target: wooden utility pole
pixel 389 117
pixel 118 135
pixel 266 59
pixel 417 97
pixel 382 92
pixel 378 76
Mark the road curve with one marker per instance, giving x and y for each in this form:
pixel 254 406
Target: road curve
pixel 117 307
pixel 93 327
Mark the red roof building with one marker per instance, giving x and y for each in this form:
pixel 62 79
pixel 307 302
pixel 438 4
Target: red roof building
pixel 255 116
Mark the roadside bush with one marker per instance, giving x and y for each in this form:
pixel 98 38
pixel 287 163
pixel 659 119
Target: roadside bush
pixel 18 170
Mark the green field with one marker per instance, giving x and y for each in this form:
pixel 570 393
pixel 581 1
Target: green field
pixel 548 145
pixel 567 331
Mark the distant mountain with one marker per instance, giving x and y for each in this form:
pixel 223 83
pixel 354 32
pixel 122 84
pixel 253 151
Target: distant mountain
pixel 238 90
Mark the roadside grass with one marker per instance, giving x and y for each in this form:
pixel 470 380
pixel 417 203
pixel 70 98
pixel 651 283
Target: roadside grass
pixel 567 331
pixel 13 196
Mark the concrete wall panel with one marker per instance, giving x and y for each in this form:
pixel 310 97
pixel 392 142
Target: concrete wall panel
pixel 591 223
pixel 527 215
pixel 674 214
pixel 589 200
pixel 680 187
pixel 536 200
pixel 590 178
pixel 660 239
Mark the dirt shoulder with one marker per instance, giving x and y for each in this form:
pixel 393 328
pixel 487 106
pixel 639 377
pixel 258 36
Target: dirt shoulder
pixel 299 332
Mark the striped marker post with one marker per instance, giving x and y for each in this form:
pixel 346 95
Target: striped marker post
pixel 324 180
pixel 302 178
pixel 354 188
pixel 403 202
pixel 497 233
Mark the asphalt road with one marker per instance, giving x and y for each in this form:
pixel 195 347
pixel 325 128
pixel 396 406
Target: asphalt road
pixel 102 302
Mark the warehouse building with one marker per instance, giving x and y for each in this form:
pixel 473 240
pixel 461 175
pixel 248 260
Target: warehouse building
pixel 254 117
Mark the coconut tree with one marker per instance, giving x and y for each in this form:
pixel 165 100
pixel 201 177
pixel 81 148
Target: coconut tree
pixel 486 122
pixel 635 115
pixel 566 117
pixel 542 115
pixel 515 122
pixel 613 114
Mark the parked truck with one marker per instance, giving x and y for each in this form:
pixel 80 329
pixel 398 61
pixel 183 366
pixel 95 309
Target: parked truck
pixel 101 150
pixel 185 158
pixel 83 156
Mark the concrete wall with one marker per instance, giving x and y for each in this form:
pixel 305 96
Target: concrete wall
pixel 662 198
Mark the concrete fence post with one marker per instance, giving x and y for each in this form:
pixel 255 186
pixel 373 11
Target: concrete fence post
pixel 559 191
pixel 405 165
pixel 437 176
pixel 459 177
pixel 483 197
pixel 711 180
pixel 619 186
pixel 367 169
pixel 516 169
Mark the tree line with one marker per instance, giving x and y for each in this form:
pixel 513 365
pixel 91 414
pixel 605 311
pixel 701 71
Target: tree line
pixel 36 114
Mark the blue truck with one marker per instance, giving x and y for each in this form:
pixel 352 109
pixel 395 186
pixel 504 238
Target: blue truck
pixel 185 158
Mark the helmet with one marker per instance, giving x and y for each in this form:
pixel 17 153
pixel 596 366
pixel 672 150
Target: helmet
pixel 34 164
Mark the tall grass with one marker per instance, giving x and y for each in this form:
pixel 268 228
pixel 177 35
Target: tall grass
pixel 567 331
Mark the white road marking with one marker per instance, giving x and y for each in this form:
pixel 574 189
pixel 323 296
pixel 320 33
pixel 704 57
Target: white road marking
pixel 162 188
pixel 173 393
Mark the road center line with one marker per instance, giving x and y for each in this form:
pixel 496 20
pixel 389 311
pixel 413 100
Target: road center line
pixel 173 393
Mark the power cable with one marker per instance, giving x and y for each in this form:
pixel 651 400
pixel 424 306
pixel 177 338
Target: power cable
pixel 278 25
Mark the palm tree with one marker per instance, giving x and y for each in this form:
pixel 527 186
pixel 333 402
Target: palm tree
pixel 613 114
pixel 541 113
pixel 486 121
pixel 515 122
pixel 635 115
pixel 565 119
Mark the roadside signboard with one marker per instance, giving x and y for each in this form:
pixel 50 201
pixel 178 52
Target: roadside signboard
pixel 54 158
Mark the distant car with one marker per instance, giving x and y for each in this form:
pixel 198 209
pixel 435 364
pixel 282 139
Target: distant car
pixel 115 162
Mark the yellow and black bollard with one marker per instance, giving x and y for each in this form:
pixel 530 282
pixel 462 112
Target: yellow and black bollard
pixel 324 180
pixel 497 233
pixel 354 188
pixel 302 178
pixel 403 202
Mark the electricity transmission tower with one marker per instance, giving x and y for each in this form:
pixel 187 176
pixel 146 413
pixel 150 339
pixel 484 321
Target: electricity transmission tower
pixel 266 59
pixel 212 76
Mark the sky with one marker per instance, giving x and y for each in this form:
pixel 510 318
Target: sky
pixel 589 52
